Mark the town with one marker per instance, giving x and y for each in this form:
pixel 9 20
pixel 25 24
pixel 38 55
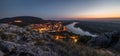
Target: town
pixel 54 30
pixel 56 27
pixel 48 27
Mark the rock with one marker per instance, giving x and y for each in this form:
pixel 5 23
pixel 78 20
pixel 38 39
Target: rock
pixel 105 40
pixel 7 46
pixel 100 41
pixel 117 46
pixel 22 42
pixel 116 41
pixel 1 53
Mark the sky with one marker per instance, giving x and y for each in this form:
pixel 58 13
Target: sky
pixel 60 9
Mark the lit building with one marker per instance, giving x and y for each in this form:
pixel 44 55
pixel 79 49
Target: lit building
pixel 17 21
pixel 73 38
pixel 49 27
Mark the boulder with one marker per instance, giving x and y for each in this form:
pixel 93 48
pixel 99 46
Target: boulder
pixel 7 46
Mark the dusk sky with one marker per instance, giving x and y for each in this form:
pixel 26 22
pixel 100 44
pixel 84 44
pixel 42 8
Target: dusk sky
pixel 49 9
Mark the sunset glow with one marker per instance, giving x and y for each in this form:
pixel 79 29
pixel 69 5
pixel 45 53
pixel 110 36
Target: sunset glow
pixel 101 16
pixel 59 10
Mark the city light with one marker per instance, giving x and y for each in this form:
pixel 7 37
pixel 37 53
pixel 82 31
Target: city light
pixel 49 27
pixel 18 21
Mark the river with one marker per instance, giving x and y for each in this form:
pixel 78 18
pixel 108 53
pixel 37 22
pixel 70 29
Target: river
pixel 78 30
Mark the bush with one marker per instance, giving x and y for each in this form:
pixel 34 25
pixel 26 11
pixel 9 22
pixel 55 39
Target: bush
pixel 83 39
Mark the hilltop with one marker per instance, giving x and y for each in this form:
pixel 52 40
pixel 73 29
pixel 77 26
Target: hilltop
pixel 26 42
pixel 27 20
pixel 22 20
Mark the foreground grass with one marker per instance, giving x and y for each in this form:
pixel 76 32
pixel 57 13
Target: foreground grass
pixel 72 49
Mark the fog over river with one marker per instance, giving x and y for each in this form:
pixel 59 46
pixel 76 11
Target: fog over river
pixel 78 30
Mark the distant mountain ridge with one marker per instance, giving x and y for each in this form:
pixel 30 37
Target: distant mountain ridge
pixel 26 20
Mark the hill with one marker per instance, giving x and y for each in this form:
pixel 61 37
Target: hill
pixel 22 20
pixel 26 20
pixel 26 42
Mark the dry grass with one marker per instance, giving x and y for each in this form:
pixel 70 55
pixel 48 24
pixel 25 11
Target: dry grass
pixel 72 49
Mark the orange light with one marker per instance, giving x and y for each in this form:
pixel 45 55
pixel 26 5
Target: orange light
pixel 58 37
pixel 75 38
pixel 47 27
pixel 41 30
pixel 64 28
pixel 18 21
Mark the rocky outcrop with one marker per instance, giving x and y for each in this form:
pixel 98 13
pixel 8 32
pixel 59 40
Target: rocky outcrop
pixel 106 40
pixel 117 46
pixel 14 49
pixel 1 53
pixel 26 42
pixel 16 41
